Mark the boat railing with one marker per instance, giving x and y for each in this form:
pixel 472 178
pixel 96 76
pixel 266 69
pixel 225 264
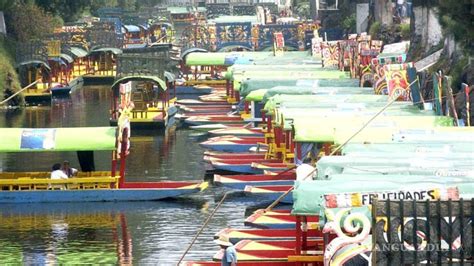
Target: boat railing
pixel 12 175
pixel 74 183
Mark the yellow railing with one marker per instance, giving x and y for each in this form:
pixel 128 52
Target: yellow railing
pixel 12 175
pixel 28 183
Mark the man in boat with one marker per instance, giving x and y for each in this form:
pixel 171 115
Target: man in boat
pixel 68 170
pixel 57 174
pixel 230 254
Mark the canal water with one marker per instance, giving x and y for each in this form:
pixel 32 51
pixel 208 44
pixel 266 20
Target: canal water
pixel 125 232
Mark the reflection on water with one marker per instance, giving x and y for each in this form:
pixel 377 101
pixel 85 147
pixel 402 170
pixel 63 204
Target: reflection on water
pixel 126 232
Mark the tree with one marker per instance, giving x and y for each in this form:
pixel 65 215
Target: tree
pixel 383 12
pixel 29 22
pixel 67 10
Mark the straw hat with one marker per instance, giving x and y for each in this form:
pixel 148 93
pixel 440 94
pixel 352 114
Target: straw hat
pixel 223 241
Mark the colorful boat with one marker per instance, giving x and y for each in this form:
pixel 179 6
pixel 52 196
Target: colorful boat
pixel 64 90
pixel 271 192
pixel 238 131
pixel 232 144
pixel 240 165
pixel 262 251
pixel 146 98
pixel 277 219
pixel 236 235
pixel 245 263
pixel 214 119
pixel 88 185
pixel 209 127
pixel 212 155
pixel 241 181
pixel 191 102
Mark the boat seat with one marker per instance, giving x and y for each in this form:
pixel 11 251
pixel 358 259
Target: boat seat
pixel 73 186
pixel 24 186
pixel 40 186
pixel 103 186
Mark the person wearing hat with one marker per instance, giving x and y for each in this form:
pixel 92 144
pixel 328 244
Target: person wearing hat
pixel 230 254
pixel 68 170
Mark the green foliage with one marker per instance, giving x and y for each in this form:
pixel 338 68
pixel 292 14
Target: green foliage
pixel 7 48
pixel 405 31
pixel 68 10
pixel 375 29
pixel 27 21
pixel 387 34
pixel 6 5
pixel 456 18
pixel 302 9
pixel 349 23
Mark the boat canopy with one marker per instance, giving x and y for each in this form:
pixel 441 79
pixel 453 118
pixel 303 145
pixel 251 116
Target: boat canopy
pixel 210 59
pixel 390 147
pixel 112 50
pixel 175 10
pixel 266 82
pixel 234 19
pixel 67 58
pixel 302 100
pixel 57 139
pixel 131 28
pixel 170 77
pixel 265 94
pixel 78 52
pixel 35 62
pixel 193 50
pixel 153 79
pixel 329 129
pixel 308 195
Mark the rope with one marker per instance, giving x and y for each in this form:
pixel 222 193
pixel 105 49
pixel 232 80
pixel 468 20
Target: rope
pixel 271 206
pixel 203 226
pixel 18 92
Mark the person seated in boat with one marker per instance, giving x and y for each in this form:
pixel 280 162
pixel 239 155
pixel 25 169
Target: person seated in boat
pixel 56 174
pixel 68 170
pixel 230 254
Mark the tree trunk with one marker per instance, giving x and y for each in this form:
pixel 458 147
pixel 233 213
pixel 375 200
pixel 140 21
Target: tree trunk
pixel 383 12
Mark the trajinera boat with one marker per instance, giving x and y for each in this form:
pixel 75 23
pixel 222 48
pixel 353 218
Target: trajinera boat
pixel 88 185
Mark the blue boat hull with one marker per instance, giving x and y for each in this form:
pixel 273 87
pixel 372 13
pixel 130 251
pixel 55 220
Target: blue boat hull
pixel 288 199
pixel 271 225
pixel 96 195
pixel 241 185
pixel 238 168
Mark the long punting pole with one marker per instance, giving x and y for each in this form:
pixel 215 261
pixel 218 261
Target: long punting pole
pixel 18 92
pixel 271 206
pixel 203 226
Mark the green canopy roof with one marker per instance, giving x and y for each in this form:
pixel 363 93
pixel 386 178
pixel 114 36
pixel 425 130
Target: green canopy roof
pixel 35 62
pixel 67 58
pixel 169 76
pixel 308 195
pixel 113 50
pixel 339 129
pixel 330 165
pixel 154 79
pixel 322 99
pixel 78 52
pixel 57 139
pixel 392 147
pixel 265 94
pixel 268 81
